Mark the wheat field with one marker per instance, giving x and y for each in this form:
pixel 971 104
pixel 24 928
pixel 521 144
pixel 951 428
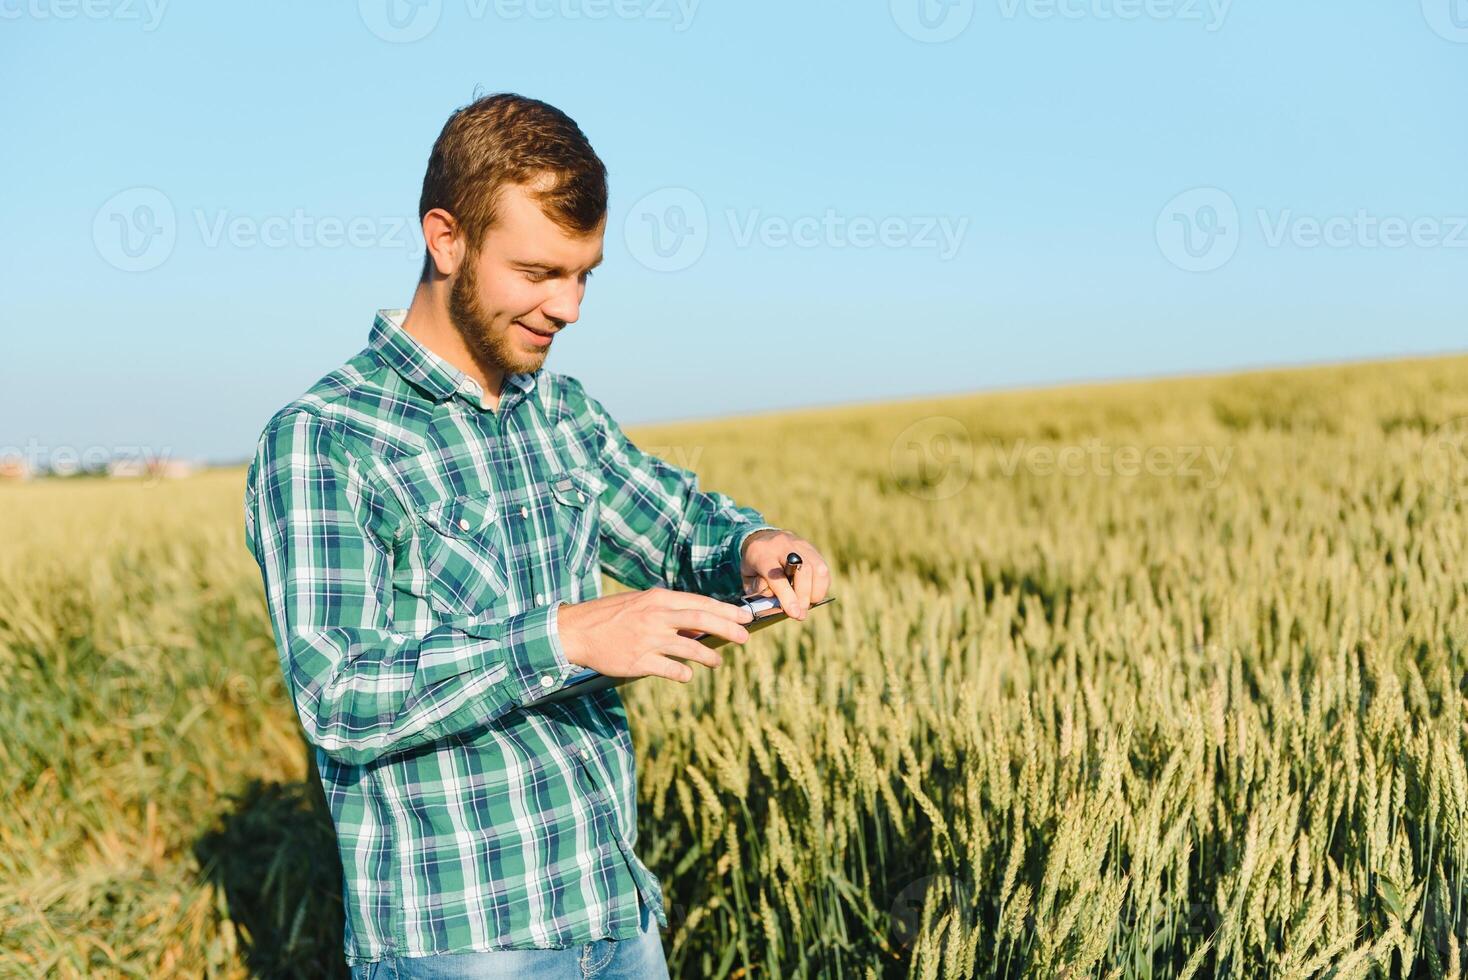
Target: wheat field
pixel 1159 679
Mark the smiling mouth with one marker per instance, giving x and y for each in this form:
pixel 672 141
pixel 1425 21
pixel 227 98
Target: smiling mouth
pixel 539 333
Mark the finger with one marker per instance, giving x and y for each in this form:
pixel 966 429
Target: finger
pixel 691 650
pixel 661 666
pixel 707 622
pixel 733 612
pixel 820 581
pixel 775 577
pixel 804 580
pixel 755 585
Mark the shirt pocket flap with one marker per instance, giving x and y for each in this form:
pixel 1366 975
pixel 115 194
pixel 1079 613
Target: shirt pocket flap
pixel 577 487
pixel 462 516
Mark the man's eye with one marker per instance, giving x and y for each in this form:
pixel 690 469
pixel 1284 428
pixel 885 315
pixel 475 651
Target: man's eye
pixel 543 276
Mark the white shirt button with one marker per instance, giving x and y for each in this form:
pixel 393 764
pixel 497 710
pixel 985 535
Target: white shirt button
pixel 463 524
pixel 580 496
pixel 547 680
pixel 524 511
pixel 540 598
pixel 579 751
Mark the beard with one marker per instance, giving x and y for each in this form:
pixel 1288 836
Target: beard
pixel 492 350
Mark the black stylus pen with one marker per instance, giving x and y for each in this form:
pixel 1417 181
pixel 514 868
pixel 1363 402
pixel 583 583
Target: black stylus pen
pixel 792 565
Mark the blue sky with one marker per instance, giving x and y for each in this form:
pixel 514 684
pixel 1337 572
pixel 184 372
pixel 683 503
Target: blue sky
pixel 811 203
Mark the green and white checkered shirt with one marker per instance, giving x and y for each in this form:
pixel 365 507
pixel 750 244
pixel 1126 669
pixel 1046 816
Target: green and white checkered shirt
pixel 415 547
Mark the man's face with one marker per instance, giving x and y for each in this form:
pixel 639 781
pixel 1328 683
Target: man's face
pixel 528 276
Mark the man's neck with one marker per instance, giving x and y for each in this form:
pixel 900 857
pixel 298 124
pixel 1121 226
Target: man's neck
pixel 427 321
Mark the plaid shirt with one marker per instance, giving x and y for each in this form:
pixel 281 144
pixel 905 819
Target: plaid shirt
pixel 415 547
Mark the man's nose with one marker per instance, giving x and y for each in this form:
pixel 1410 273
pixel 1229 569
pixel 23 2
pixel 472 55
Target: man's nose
pixel 564 306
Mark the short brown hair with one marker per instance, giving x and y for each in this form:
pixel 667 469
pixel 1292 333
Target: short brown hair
pixel 504 139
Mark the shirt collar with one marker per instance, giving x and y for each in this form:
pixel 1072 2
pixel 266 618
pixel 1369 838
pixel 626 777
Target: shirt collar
pixel 424 369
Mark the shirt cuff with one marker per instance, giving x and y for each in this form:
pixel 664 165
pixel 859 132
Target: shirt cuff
pixel 729 583
pixel 531 645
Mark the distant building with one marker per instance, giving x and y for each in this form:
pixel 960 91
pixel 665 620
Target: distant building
pixel 15 468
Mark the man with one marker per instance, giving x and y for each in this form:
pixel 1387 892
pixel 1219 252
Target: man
pixel 429 521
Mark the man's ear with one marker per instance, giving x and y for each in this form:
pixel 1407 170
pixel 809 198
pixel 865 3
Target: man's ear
pixel 443 240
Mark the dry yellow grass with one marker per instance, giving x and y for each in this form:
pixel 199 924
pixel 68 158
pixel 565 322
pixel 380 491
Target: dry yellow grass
pixel 1204 719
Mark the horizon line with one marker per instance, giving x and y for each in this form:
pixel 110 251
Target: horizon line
pixel 1084 381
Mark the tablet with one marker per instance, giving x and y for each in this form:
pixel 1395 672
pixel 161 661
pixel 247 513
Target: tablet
pixel 767 612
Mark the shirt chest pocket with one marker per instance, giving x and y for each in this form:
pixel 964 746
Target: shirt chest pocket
pixel 577 493
pixel 463 549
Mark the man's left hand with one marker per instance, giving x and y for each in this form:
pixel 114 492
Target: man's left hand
pixel 762 566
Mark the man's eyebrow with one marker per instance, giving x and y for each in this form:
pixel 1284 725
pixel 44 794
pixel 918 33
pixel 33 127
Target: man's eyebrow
pixel 555 268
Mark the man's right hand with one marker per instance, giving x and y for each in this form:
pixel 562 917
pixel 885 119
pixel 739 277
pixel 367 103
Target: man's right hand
pixel 637 634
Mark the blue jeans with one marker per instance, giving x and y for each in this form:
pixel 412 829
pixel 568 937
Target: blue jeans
pixel 640 958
